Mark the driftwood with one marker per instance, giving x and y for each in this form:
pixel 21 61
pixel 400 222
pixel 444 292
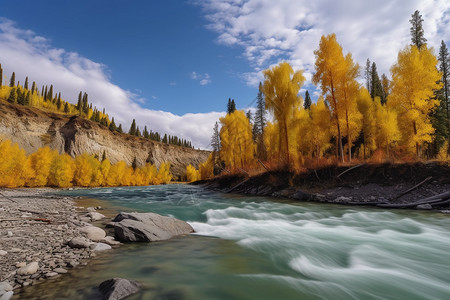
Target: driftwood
pixel 8 198
pixel 349 169
pixel 42 220
pixel 433 200
pixel 413 188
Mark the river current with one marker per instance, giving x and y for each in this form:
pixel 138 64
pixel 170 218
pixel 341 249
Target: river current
pixel 264 248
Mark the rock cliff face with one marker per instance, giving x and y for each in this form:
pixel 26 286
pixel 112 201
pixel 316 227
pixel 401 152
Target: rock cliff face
pixel 32 128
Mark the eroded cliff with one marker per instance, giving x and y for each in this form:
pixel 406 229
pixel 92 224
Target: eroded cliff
pixel 33 128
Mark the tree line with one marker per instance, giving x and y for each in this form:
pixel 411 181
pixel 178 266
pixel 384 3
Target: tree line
pixel 49 100
pixel 403 118
pixel 46 167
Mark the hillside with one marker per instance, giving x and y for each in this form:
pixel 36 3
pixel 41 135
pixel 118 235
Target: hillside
pixel 32 128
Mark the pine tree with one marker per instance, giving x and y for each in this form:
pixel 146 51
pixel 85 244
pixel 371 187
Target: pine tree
pixel 215 138
pixel 85 104
pixel 33 87
pixel 25 86
pixel 45 94
pixel 20 96
pixel 231 106
pixel 12 81
pixel 119 129
pixel 132 130
pixel 80 102
pixel 12 96
pixel 260 123
pixel 50 93
pixel 134 164
pixel 58 102
pixel 164 139
pixel 417 33
pixel 138 132
pixel 1 76
pixel 375 83
pixel 308 102
pixel 28 98
pixel 112 125
pixel 66 108
pixel 368 75
pixel 444 67
pixel 145 133
pixel 385 83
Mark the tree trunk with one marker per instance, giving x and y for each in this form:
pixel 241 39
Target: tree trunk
pixel 349 143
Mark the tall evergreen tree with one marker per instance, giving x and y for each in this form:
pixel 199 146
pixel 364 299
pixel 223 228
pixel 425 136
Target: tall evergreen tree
pixel 145 133
pixel 66 108
pixel 138 132
pixel 368 75
pixel 33 87
pixel 1 75
pixel 215 138
pixel 12 81
pixel 385 83
pixel 417 34
pixel 260 123
pixel 119 129
pixel 80 101
pixel 85 104
pixel 444 67
pixel 20 96
pixel 12 96
pixel 26 83
pixel 231 106
pixel 28 98
pixel 164 139
pixel 45 94
pixel 308 102
pixel 59 102
pixel 134 164
pixel 132 130
pixel 112 125
pixel 50 93
pixel 376 87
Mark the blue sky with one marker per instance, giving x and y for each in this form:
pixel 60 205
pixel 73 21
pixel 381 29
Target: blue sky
pixel 172 65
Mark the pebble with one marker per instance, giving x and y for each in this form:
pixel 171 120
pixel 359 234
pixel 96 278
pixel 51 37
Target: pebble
pixel 60 270
pixel 15 250
pixel 3 252
pixel 101 247
pixel 29 269
pixel 51 274
pixel 10 233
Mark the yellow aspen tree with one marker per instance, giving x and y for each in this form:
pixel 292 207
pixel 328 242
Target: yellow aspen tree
pixel 127 177
pixel 347 91
pixel 281 87
pixel 105 165
pixel 115 174
pixel 366 108
pixel 414 80
pixel 150 173
pixel 320 127
pixel 330 66
pixel 237 146
pixel 164 176
pixel 300 127
pixel 41 161
pixel 271 140
pixel 14 165
pixel 97 175
pixel 84 170
pixel 206 169
pixel 386 126
pixel 192 174
pixel 61 171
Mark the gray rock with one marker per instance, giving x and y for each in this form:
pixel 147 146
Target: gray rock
pixel 78 242
pixel 147 227
pixel 93 233
pixel 29 269
pixel 110 241
pixel 342 199
pixel 5 287
pixel 90 209
pixel 95 216
pixel 60 270
pixel 100 247
pixel 302 196
pixel 7 295
pixel 118 288
pixel 3 252
pixel 51 274
pixel 424 206
pixel 73 263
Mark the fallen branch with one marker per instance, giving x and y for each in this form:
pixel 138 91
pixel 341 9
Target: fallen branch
pixel 433 200
pixel 348 170
pixel 8 198
pixel 413 188
pixel 42 220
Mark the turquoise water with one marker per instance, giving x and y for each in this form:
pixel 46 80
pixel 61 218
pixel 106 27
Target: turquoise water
pixel 262 248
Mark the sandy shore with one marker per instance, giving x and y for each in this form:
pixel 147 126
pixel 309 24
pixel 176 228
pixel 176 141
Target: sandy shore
pixel 35 229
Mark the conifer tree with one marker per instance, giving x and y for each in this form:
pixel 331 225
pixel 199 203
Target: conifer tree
pixel 444 67
pixel 66 108
pixel 132 130
pixel 79 103
pixel 417 33
pixel 145 133
pixel 33 87
pixel 134 164
pixel 215 138
pixel 25 86
pixel 12 81
pixel 20 96
pixel 1 76
pixel 164 139
pixel 385 83
pixel 119 129
pixel 50 93
pixel 376 87
pixel 45 94
pixel 138 132
pixel 112 125
pixel 27 98
pixel 308 102
pixel 231 106
pixel 260 124
pixel 12 96
pixel 58 102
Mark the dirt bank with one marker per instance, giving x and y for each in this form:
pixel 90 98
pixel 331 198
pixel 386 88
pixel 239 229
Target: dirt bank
pixel 385 185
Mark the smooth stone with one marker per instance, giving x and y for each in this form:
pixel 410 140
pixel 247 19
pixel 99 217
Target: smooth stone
pixel 50 274
pixel 21 264
pixel 147 227
pixel 424 206
pixel 9 233
pixel 110 241
pixel 79 243
pixel 15 250
pixel 60 270
pixel 93 233
pixel 7 295
pixel 3 252
pixel 29 269
pixel 73 263
pixel 5 287
pixel 100 247
pixel 118 288
pixel 90 209
pixel 95 216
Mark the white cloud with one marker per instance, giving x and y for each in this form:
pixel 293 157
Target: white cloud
pixel 203 79
pixel 270 31
pixel 27 54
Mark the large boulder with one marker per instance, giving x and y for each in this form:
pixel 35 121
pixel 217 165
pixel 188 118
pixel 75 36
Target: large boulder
pixel 147 227
pixel 118 288
pixel 29 269
pixel 93 233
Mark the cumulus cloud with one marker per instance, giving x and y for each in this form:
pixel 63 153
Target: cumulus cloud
pixel 203 79
pixel 270 31
pixel 28 54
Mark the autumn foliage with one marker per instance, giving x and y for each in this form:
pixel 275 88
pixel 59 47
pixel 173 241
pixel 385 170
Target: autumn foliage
pixel 47 167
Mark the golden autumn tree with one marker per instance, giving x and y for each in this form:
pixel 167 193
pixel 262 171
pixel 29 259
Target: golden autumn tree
pixel 386 126
pixel 366 108
pixel 164 175
pixel 330 66
pixel 192 174
pixel 14 165
pixel 281 87
pixel 206 169
pixel 149 172
pixel 115 173
pixel 40 162
pixel 320 127
pixel 84 170
pixel 271 140
pixel 61 171
pixel 414 80
pixel 237 146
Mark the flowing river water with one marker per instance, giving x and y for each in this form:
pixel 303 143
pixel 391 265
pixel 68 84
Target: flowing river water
pixel 263 248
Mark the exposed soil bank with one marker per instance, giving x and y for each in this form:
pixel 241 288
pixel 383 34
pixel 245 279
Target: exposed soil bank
pixel 366 184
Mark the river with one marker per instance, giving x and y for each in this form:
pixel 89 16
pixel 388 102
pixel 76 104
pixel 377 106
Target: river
pixel 264 248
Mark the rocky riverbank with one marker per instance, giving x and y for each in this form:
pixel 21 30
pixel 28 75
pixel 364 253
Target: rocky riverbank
pixel 384 185
pixel 43 236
